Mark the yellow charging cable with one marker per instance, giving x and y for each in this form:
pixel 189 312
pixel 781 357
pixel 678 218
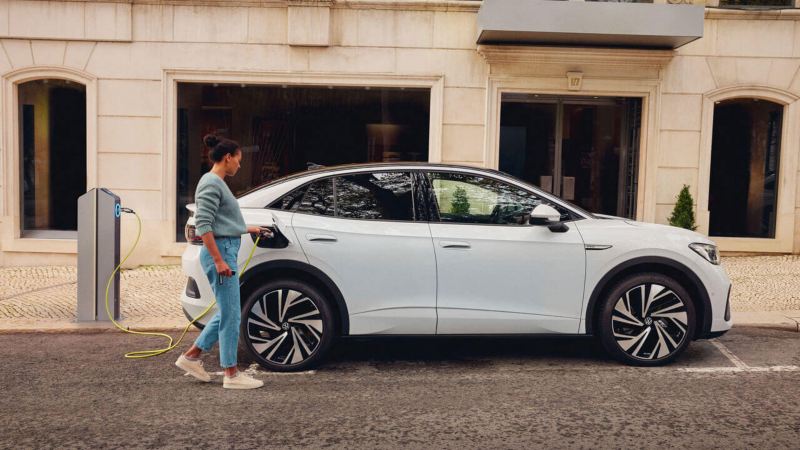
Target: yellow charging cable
pixel 170 346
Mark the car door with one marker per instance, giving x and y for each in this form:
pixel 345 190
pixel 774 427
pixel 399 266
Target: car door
pixel 360 229
pixel 496 272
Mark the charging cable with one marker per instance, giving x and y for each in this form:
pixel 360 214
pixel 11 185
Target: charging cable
pixel 158 351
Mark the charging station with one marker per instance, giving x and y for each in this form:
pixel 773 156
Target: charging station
pixel 99 212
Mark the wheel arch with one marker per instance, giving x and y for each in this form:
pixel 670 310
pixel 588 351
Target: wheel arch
pixel 665 266
pixel 249 281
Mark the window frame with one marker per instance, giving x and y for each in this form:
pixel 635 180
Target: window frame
pixel 41 241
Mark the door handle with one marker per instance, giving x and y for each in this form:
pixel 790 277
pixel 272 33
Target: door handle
pixel 454 244
pixel 321 237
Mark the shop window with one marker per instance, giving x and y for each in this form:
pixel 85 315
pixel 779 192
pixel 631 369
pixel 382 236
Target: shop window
pixel 745 160
pixel 52 143
pixel 284 128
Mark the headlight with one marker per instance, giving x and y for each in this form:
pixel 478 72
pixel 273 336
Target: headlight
pixel 708 251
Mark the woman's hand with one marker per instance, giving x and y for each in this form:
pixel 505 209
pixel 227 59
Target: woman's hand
pixel 262 232
pixel 223 270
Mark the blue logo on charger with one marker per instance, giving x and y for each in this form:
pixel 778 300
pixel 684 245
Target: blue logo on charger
pixel 117 210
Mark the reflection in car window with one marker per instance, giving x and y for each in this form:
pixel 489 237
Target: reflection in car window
pixel 465 198
pixel 376 196
pixel 318 198
pixel 290 201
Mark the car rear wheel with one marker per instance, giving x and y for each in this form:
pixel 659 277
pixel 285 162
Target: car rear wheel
pixel 647 320
pixel 287 325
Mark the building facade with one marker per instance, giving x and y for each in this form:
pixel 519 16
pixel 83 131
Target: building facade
pixel 118 94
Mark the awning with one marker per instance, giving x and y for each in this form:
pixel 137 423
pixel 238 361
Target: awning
pixel 600 24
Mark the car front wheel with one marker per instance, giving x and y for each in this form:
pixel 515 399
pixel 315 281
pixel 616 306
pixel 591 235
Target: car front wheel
pixel 647 320
pixel 287 325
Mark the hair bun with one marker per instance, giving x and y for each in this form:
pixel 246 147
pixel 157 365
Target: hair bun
pixel 211 141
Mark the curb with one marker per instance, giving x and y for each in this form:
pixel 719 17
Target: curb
pixel 777 320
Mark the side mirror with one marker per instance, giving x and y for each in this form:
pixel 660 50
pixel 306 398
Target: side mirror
pixel 544 215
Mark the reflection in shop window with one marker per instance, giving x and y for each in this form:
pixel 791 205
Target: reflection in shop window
pixel 284 128
pixel 52 143
pixel 745 160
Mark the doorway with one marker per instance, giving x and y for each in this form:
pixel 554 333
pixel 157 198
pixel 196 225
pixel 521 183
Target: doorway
pixel 582 149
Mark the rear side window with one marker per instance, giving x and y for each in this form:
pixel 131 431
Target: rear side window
pixel 375 196
pixel 318 199
pixel 290 201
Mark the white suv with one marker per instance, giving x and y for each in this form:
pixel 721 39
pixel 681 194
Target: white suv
pixel 432 249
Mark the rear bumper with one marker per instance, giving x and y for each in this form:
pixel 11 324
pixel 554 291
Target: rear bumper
pixel 193 307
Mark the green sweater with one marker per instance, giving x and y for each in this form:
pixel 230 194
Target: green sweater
pixel 217 209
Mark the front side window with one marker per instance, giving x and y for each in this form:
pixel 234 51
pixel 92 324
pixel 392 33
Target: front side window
pixel 52 142
pixel 465 198
pixel 375 196
pixel 318 199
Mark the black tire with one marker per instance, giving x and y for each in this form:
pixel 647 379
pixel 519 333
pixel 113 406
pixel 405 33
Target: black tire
pixel 641 329
pixel 306 338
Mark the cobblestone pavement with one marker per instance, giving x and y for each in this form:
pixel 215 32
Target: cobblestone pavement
pixel 148 293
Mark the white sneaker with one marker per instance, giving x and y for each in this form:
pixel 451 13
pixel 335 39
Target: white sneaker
pixel 193 368
pixel 241 381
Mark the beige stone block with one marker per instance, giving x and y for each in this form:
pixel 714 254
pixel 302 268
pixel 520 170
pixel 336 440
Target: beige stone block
pixel 5 66
pixel 210 24
pixel 224 56
pixel 782 71
pixel 464 106
pixel 117 171
pixel 414 29
pixel 344 27
pixel 267 25
pixel 19 52
pixel 703 46
pixel 352 59
pixel 298 59
pixel 53 20
pixel 108 21
pixel 679 148
pixel 147 205
pixel 724 70
pixel 140 98
pixel 376 28
pixel 137 60
pixel 462 143
pixel 48 53
pixel 681 112
pixel 152 22
pixel 688 74
pixel 77 54
pixel 663 212
pixel 670 181
pixel 4 6
pixel 129 134
pixel 455 30
pixel 461 68
pixel 755 37
pixel 309 25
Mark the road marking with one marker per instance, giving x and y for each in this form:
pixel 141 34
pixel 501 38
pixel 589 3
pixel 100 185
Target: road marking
pixel 739 365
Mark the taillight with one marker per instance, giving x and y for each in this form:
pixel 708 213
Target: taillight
pixel 191 235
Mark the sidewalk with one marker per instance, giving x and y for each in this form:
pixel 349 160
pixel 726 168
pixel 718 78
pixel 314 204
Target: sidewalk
pixel 766 292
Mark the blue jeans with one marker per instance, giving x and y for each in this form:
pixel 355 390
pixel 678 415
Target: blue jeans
pixel 224 326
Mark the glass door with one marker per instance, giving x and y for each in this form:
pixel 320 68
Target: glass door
pixel 584 150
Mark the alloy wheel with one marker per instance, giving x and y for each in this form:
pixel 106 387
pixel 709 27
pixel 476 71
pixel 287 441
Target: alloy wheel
pixel 649 322
pixel 284 326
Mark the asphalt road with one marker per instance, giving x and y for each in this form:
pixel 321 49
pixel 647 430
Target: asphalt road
pixel 76 391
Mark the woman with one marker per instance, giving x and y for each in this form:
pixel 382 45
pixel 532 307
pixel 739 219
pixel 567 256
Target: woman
pixel 220 224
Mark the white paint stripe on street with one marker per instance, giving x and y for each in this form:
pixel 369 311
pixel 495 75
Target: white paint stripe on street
pixel 728 354
pixel 739 365
pixel 739 369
